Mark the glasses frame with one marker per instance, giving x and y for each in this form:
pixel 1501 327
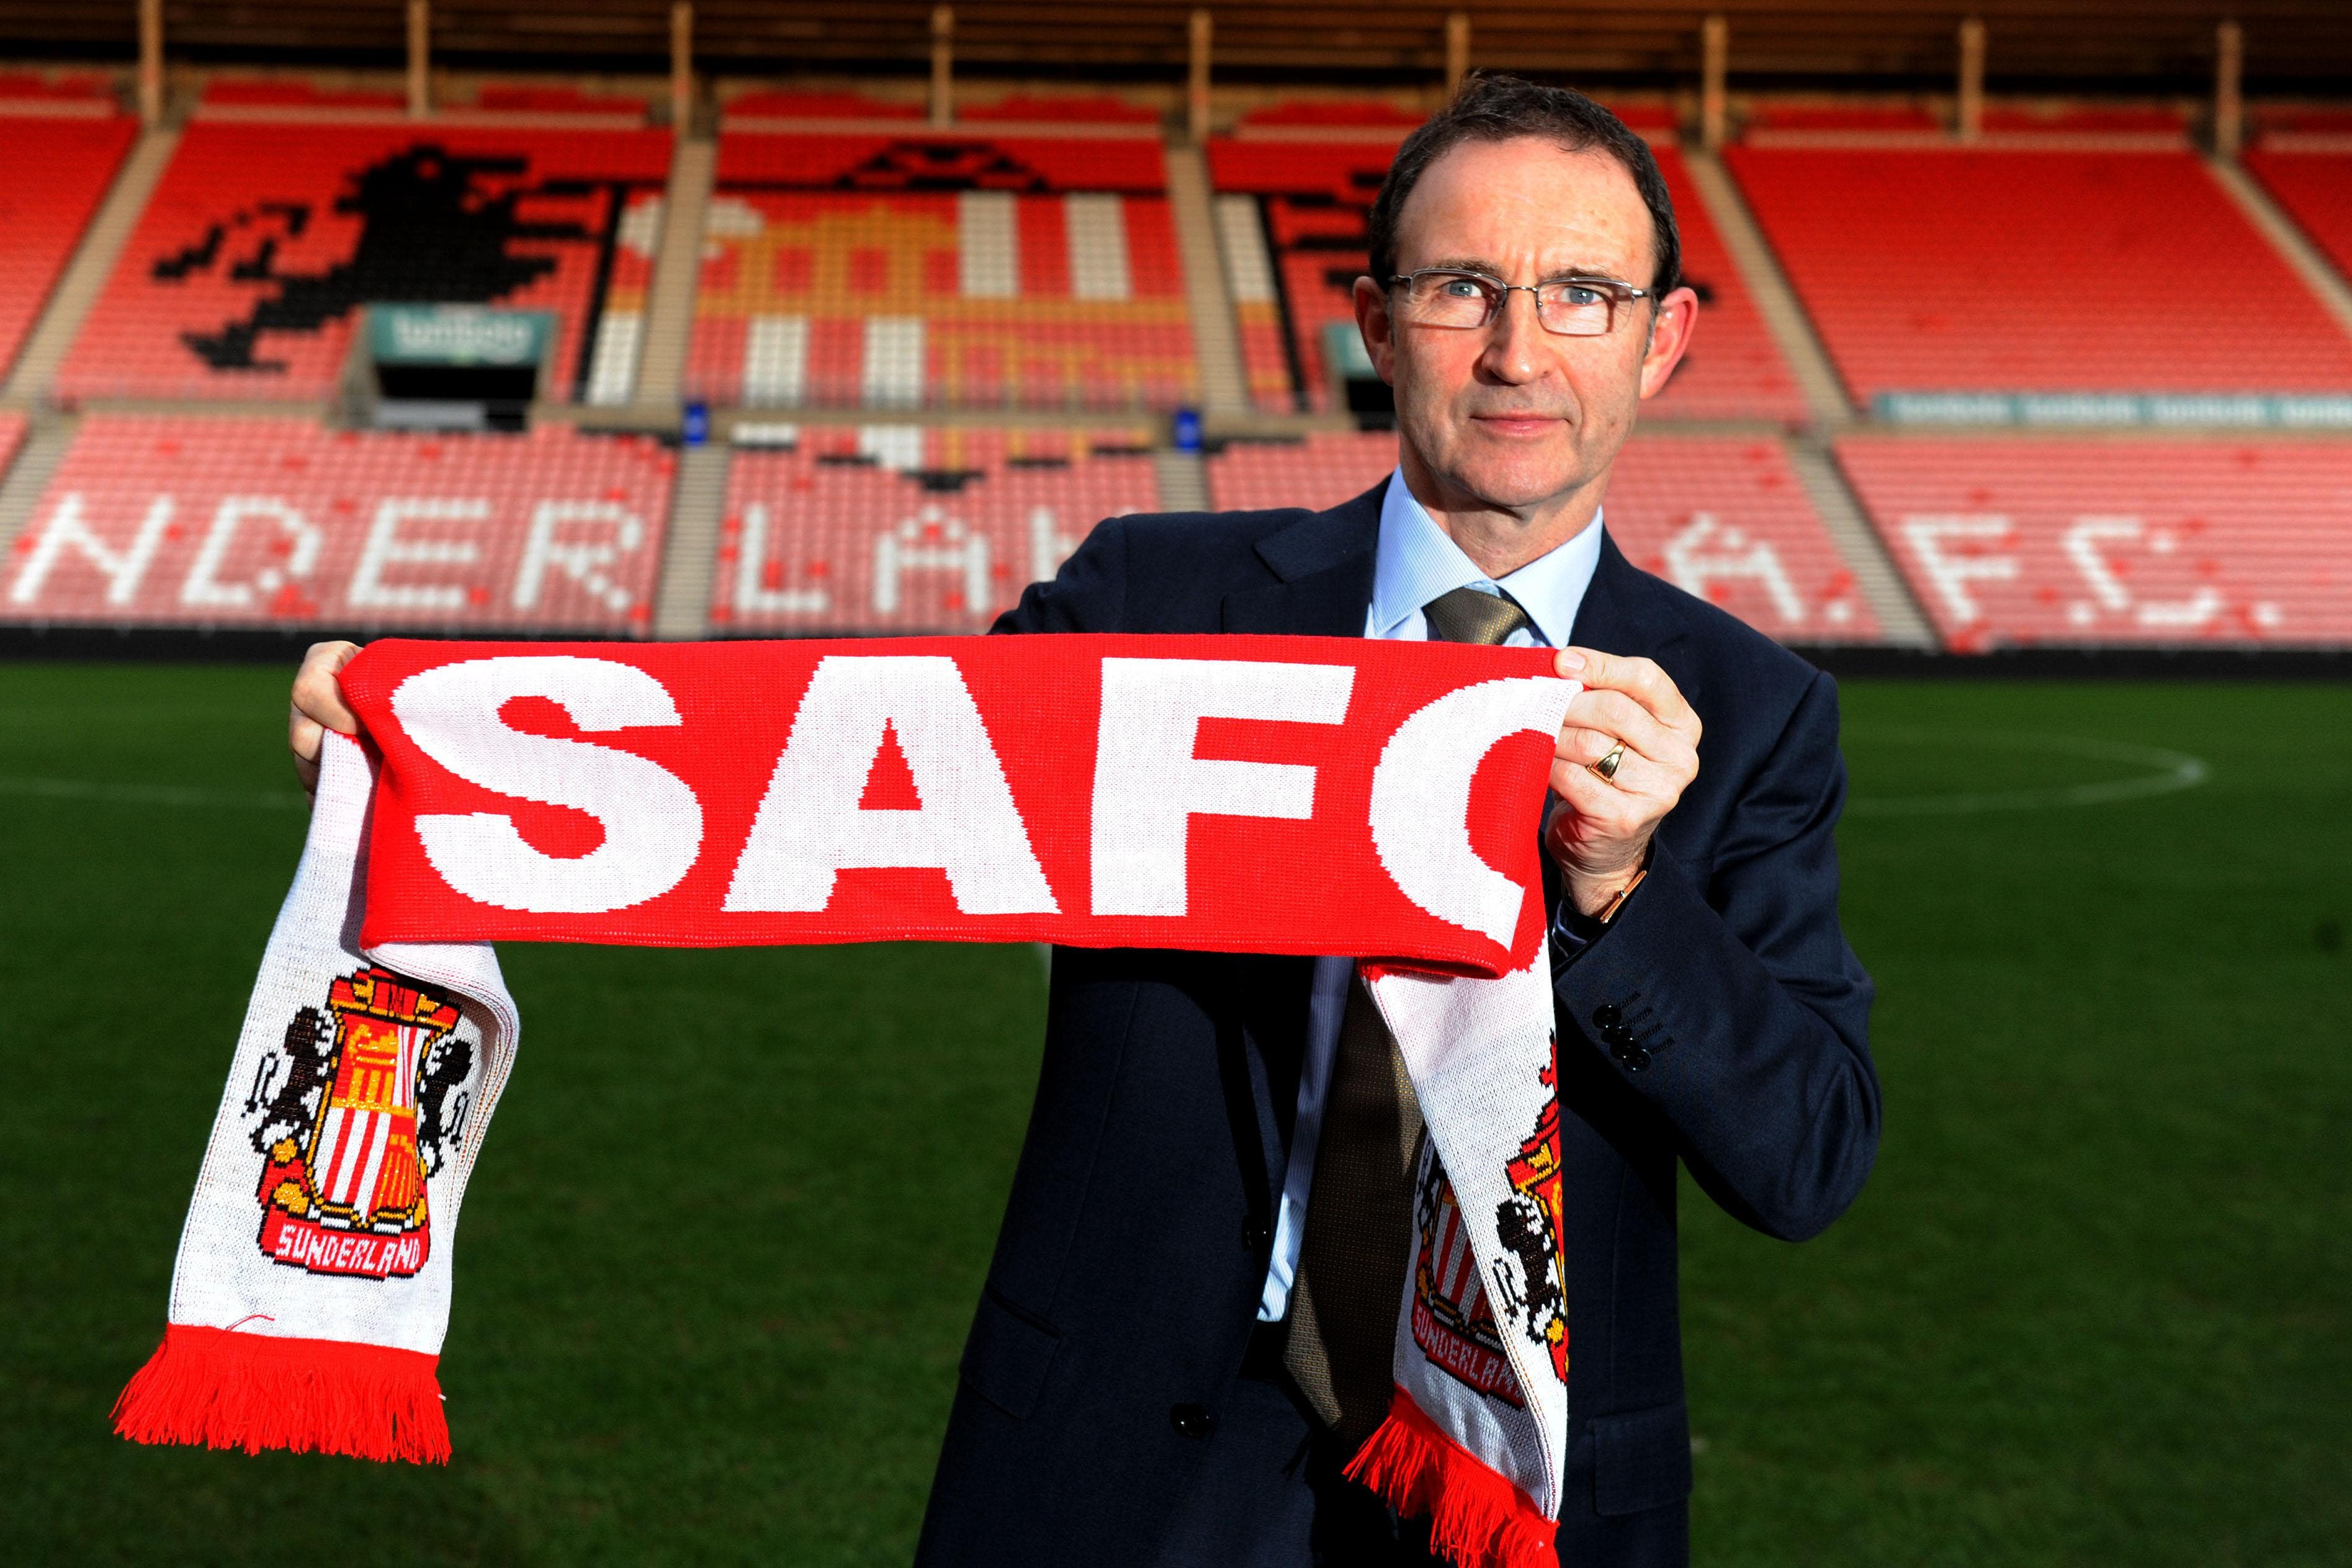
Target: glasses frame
pixel 1616 290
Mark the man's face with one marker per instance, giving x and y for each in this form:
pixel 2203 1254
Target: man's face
pixel 1512 416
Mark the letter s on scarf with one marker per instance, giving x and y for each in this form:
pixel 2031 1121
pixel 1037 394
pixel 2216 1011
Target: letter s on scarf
pixel 653 823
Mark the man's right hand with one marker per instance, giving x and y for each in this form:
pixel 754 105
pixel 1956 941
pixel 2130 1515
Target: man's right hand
pixel 318 708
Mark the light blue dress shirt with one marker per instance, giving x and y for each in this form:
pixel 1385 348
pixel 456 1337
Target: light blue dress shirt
pixel 1414 562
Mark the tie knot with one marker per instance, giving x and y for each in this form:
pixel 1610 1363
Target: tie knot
pixel 1468 615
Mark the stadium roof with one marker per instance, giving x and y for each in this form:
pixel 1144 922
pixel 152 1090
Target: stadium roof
pixel 2095 44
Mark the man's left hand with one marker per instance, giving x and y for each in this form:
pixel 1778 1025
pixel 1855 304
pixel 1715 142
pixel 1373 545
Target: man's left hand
pixel 1601 836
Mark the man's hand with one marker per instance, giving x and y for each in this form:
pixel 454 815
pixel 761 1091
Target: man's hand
pixel 1601 836
pixel 319 706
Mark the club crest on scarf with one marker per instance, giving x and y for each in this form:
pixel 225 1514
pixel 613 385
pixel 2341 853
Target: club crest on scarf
pixel 1452 1320
pixel 1532 1281
pixel 359 1106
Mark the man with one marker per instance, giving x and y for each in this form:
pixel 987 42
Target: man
pixel 1179 1344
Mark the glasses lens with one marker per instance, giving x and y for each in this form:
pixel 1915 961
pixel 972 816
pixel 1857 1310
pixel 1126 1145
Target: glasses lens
pixel 1449 299
pixel 1575 310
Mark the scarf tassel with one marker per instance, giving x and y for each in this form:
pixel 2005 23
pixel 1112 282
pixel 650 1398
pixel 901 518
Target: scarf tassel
pixel 254 1391
pixel 1477 1518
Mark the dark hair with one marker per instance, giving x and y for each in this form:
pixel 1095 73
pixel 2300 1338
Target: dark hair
pixel 1495 108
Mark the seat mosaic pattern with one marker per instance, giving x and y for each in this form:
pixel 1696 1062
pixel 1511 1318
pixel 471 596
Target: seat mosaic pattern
pixel 45 202
pixel 244 277
pixel 2025 540
pixel 196 520
pixel 1725 518
pixel 914 271
pixel 889 528
pixel 1291 224
pixel 1953 269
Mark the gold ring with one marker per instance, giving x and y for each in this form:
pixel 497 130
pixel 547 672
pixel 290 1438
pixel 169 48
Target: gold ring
pixel 1607 767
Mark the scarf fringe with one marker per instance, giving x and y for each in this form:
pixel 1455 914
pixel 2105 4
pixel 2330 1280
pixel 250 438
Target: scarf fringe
pixel 1477 1518
pixel 225 1390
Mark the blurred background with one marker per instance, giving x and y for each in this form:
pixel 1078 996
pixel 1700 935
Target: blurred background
pixel 2020 398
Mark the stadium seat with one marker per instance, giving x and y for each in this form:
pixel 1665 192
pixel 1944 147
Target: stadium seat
pixel 46 204
pixel 894 529
pixel 916 271
pixel 12 437
pixel 766 105
pixel 1291 221
pixel 294 92
pixel 1953 269
pixel 1096 109
pixel 201 521
pixel 2027 539
pixel 1726 518
pixel 242 276
pixel 2047 119
pixel 1299 113
pixel 2316 188
pixel 1809 118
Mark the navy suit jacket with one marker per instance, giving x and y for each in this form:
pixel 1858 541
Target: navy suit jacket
pixel 1125 1280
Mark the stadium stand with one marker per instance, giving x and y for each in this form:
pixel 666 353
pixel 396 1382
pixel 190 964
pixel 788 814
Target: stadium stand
pixel 750 109
pixel 201 521
pixel 2315 189
pixel 2004 271
pixel 1726 517
pixel 70 92
pixel 891 528
pixel 1283 121
pixel 235 93
pixel 1082 111
pixel 1766 121
pixel 13 427
pixel 2011 540
pixel 1291 227
pixel 242 276
pixel 47 201
pixel 904 270
pixel 2063 117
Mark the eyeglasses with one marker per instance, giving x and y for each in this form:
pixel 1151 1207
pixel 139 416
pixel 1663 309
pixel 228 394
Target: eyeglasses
pixel 1570 307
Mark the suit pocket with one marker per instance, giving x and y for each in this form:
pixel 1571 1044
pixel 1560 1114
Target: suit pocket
pixel 1641 1460
pixel 1006 1358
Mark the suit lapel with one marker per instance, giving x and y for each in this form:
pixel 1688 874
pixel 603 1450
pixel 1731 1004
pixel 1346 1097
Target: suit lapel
pixel 1323 570
pixel 1623 611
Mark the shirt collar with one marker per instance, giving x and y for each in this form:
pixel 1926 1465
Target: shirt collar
pixel 1416 560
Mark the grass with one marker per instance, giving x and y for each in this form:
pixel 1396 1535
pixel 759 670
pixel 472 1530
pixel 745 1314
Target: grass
pixel 724 1240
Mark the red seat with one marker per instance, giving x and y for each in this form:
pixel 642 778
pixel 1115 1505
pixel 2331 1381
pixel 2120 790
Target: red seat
pixel 1725 518
pixel 904 529
pixel 45 205
pixel 1953 269
pixel 242 276
pixel 2116 540
pixel 2316 188
pixel 269 521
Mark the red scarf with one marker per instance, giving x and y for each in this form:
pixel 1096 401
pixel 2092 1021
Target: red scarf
pixel 1089 791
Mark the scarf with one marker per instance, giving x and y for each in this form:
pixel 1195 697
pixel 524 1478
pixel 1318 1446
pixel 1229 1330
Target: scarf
pixel 1089 791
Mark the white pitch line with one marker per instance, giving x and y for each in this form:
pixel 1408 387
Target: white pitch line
pixel 2173 771
pixel 152 794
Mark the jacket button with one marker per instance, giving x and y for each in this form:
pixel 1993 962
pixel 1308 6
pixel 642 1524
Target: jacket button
pixel 1635 1057
pixel 1606 1015
pixel 1191 1420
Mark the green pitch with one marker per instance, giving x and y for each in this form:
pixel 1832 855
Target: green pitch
pixel 723 1241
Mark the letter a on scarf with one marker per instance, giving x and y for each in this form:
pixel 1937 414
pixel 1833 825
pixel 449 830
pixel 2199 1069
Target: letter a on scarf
pixel 1089 791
